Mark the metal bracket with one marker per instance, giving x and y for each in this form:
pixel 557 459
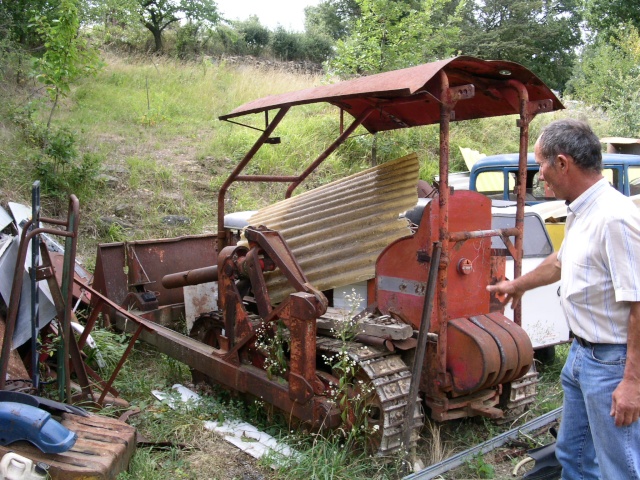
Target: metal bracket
pixel 462 92
pixel 534 108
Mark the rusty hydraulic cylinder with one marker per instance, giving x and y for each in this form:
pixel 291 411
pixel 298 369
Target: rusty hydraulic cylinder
pixel 191 277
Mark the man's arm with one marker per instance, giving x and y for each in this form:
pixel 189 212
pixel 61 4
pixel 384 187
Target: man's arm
pixel 625 404
pixel 544 274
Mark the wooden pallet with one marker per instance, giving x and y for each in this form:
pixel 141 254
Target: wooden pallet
pixel 103 449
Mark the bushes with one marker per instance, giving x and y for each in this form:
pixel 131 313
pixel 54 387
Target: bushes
pixel 316 48
pixel 608 77
pixel 286 45
pixel 248 37
pixel 256 36
pixel 54 158
pixel 289 46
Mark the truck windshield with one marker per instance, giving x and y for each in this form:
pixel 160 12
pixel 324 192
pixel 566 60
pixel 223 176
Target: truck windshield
pixel 536 239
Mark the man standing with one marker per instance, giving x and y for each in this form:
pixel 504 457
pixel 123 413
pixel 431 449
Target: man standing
pixel 599 268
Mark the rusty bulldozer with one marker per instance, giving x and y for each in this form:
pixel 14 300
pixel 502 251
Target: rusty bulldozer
pixel 428 340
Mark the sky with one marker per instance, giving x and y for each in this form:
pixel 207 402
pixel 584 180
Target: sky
pixel 288 13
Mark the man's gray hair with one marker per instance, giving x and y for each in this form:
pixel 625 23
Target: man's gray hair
pixel 574 138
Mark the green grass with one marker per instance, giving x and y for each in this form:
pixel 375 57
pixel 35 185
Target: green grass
pixel 327 458
pixel 321 456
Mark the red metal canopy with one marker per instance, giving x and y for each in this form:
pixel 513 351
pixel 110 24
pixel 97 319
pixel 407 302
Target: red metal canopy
pixel 409 97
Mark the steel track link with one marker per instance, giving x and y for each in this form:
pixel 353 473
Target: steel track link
pixel 391 379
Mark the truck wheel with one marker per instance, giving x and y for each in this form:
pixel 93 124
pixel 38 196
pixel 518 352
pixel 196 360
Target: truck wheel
pixel 546 355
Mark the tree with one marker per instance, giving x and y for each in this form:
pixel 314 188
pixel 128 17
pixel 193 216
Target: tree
pixel 331 18
pixel 157 15
pixel 109 12
pixel 286 45
pixel 540 34
pixel 16 16
pixel 67 56
pixel 256 36
pixel 395 34
pixel 316 48
pixel 608 76
pixel 604 16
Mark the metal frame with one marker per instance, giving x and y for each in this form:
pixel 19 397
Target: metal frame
pixel 71 240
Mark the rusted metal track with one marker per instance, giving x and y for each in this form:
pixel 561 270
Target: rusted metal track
pixel 391 380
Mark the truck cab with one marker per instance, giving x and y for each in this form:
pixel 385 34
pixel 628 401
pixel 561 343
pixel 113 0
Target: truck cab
pixel 543 318
pixel 495 176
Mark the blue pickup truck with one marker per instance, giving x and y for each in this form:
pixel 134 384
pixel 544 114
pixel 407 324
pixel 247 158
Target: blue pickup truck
pixel 495 176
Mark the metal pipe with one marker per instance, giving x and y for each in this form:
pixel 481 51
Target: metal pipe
pixel 266 178
pixel 35 300
pixel 462 236
pixel 322 157
pixel 123 359
pixel 423 335
pixel 485 447
pixel 443 202
pixel 16 290
pixel 236 172
pixel 190 277
pixel 70 247
pixel 91 321
pixel 382 342
pixel 523 123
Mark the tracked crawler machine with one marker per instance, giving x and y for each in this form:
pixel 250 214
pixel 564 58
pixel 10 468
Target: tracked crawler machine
pixel 431 334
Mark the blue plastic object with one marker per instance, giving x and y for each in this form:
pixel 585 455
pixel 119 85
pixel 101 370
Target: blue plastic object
pixel 50 406
pixel 24 422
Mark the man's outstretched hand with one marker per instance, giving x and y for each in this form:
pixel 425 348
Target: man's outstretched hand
pixel 508 288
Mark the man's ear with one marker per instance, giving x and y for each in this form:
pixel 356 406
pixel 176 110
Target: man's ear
pixel 563 162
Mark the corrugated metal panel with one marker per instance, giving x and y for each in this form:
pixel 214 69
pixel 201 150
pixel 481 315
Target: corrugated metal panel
pixel 337 231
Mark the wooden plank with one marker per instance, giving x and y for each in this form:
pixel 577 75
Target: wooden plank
pixel 103 449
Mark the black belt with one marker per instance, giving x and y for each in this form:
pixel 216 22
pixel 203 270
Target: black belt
pixel 584 343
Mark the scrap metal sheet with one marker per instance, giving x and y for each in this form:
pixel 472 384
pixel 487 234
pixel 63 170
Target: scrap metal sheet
pixel 337 231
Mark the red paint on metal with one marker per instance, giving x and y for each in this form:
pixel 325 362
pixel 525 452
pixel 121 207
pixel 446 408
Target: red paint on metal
pixel 158 258
pixel 474 350
pixel 406 97
pixel 469 210
pixel 473 358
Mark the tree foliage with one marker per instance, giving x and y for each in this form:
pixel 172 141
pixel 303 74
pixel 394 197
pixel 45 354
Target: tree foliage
pixel 67 56
pixel 255 35
pixel 608 76
pixel 395 34
pixel 286 45
pixel 331 18
pixel 540 34
pixel 157 15
pixel 16 17
pixel 604 16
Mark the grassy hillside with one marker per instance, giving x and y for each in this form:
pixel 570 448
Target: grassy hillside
pixel 152 124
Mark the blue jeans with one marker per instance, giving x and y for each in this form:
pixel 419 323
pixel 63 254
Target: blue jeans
pixel 589 444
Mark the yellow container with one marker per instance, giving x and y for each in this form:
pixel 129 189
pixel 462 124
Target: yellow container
pixel 556 232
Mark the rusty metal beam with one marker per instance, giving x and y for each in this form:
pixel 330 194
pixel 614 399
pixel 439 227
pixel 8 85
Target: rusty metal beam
pixel 330 149
pixel 236 172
